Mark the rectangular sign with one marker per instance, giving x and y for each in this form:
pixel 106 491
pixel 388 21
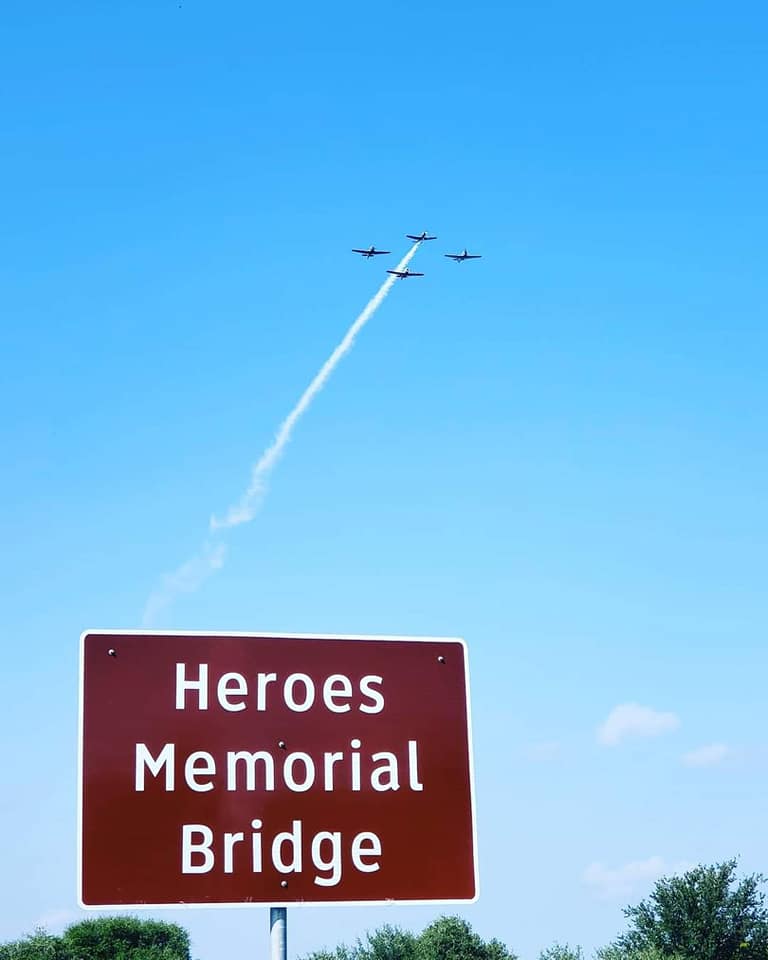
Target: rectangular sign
pixel 228 769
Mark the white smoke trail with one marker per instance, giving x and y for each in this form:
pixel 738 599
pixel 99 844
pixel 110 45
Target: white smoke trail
pixel 185 579
pixel 244 510
pixel 193 572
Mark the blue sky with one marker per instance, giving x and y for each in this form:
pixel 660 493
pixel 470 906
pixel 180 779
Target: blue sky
pixel 557 452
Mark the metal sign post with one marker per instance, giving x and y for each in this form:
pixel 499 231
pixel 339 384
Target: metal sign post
pixel 278 933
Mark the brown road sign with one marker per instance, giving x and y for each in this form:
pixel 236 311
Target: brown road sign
pixel 227 769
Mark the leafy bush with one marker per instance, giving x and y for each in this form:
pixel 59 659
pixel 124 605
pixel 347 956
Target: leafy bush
pixel 37 946
pixel 104 938
pixel 702 915
pixel 126 938
pixel 561 952
pixel 448 938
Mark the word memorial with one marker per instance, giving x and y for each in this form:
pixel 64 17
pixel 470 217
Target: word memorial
pixel 231 769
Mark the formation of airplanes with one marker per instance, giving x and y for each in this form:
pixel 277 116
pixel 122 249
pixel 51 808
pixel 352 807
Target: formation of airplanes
pixel 371 251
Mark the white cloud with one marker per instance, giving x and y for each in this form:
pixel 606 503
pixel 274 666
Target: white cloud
pixel 632 720
pixel 633 877
pixel 707 756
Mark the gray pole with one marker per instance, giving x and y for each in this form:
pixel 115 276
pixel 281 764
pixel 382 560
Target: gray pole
pixel 278 933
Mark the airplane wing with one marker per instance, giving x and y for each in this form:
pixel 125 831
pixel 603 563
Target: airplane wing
pixel 410 236
pixel 359 251
pixel 412 274
pixel 453 256
pixel 474 256
pixel 397 273
pixel 378 253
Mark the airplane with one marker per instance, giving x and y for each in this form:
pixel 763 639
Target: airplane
pixel 402 274
pixel 371 252
pixel 424 236
pixel 461 257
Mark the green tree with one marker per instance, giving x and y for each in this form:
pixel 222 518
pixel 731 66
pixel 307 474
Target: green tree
pixel 448 938
pixel 386 943
pixel 451 938
pixel 625 953
pixel 37 946
pixel 126 938
pixel 496 950
pixel 561 952
pixel 705 914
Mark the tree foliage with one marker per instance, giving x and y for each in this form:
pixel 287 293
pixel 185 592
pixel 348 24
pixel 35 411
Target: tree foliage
pixel 37 946
pixel 104 938
pixel 615 952
pixel 390 943
pixel 705 914
pixel 448 938
pixel 127 938
pixel 561 952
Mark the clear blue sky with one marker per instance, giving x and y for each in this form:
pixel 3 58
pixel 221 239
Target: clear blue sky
pixel 557 452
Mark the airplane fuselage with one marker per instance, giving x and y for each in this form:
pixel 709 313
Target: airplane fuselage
pixel 404 274
pixel 461 257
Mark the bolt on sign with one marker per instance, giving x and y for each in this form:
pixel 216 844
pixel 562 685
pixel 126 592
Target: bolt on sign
pixel 228 769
